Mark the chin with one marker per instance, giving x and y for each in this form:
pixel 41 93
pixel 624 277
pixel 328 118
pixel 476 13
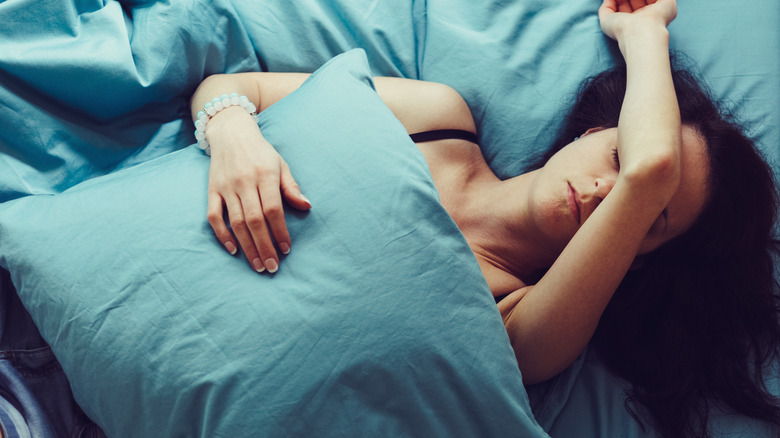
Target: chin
pixel 557 227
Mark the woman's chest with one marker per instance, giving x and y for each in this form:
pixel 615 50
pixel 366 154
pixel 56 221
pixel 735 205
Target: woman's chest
pixel 454 165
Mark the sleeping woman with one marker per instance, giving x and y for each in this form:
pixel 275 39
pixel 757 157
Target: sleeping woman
pixel 647 228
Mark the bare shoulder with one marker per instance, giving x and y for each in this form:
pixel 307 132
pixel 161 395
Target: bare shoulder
pixel 424 106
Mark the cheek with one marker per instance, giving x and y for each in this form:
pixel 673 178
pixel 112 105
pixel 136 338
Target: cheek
pixel 549 209
pixel 554 222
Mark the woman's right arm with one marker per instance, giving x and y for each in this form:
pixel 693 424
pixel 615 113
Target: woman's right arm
pixel 419 105
pixel 249 179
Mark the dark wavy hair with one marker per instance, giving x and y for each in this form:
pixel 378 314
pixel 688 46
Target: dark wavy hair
pixel 697 325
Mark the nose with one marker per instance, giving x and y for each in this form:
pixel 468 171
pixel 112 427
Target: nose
pixel 603 187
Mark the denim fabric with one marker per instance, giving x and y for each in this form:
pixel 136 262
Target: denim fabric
pixel 12 424
pixel 35 397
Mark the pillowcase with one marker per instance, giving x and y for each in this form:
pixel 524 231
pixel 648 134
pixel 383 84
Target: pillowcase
pixel 378 323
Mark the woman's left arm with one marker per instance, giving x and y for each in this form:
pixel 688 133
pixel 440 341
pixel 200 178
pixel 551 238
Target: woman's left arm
pixel 550 323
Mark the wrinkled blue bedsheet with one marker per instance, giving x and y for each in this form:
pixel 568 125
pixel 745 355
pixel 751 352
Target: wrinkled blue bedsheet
pixel 88 87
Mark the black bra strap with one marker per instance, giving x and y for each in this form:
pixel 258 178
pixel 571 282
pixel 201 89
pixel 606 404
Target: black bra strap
pixel 442 134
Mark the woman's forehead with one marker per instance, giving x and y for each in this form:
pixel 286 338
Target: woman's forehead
pixel 691 196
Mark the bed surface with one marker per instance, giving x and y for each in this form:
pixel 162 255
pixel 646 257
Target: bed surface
pixel 96 87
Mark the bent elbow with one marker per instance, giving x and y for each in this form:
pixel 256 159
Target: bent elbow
pixel 540 369
pixel 532 376
pixel 541 360
pixel 659 172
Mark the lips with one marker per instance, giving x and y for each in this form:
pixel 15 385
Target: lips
pixel 573 205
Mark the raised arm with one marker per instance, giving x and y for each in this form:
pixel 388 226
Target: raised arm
pixel 551 322
pixel 249 178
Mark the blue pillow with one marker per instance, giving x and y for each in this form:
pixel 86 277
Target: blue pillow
pixel 378 323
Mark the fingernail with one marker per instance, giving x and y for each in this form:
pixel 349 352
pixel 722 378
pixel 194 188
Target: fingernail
pixel 285 248
pixel 231 248
pixel 258 264
pixel 271 265
pixel 305 199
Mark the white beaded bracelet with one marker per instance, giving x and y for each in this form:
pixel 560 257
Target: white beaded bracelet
pixel 210 109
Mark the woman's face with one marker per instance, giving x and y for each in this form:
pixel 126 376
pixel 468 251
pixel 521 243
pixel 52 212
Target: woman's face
pixel 578 177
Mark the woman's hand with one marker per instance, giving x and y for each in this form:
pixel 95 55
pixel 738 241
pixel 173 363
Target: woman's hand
pixel 618 16
pixel 248 178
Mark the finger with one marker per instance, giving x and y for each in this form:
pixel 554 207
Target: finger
pixel 215 216
pixel 624 6
pixel 638 4
pixel 291 190
pixel 258 229
pixel 238 224
pixel 273 211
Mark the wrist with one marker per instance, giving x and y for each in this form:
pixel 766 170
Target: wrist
pixel 223 120
pixel 228 122
pixel 643 32
pixel 220 106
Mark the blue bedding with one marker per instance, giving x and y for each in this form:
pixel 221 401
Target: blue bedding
pixel 101 88
pixel 379 323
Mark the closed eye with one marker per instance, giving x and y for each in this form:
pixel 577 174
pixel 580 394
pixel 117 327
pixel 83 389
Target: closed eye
pixel 615 157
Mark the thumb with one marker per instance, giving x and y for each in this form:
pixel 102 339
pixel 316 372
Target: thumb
pixel 669 8
pixel 291 191
pixel 607 7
